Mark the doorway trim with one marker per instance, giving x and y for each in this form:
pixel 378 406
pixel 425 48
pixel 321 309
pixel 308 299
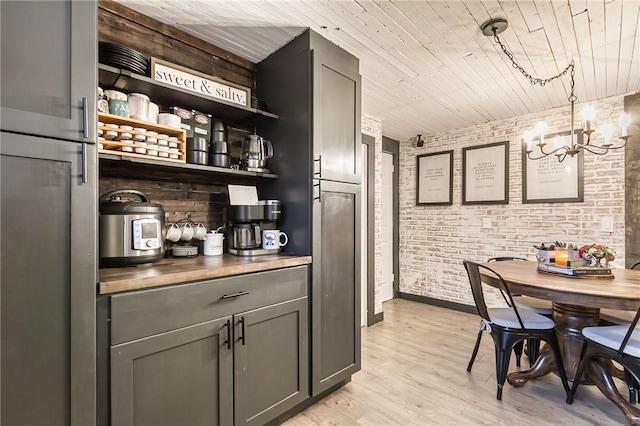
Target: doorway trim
pixel 391 146
pixel 372 317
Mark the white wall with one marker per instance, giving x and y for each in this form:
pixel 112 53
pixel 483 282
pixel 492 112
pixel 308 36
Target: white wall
pixel 434 240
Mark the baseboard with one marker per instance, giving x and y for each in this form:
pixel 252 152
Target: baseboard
pixel 441 303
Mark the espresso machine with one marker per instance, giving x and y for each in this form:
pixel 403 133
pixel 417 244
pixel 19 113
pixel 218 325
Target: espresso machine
pixel 245 224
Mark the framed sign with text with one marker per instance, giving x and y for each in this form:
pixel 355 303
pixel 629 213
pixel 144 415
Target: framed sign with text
pixel 546 180
pixel 434 174
pixel 485 174
pixel 202 84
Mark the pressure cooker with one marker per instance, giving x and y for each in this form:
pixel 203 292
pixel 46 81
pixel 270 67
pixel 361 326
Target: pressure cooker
pixel 131 231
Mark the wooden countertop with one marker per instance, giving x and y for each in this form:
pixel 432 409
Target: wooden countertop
pixel 181 270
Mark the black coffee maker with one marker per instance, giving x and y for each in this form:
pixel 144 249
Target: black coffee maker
pixel 245 226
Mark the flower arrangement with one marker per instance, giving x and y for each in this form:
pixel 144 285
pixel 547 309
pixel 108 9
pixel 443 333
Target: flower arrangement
pixel 597 252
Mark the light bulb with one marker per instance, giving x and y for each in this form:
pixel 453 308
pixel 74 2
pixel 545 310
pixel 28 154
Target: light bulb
pixel 541 128
pixel 607 131
pixel 624 121
pixel 588 114
pixel 528 138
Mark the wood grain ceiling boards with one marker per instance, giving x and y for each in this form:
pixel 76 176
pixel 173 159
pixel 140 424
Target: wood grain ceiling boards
pixel 426 66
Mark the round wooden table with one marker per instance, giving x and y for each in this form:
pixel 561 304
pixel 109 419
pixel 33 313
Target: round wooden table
pixel 576 304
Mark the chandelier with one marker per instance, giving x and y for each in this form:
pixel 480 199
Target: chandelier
pixel 537 148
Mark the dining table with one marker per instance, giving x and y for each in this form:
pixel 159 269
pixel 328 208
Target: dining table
pixel 576 303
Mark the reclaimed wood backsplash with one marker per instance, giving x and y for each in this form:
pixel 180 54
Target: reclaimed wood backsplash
pixel 200 203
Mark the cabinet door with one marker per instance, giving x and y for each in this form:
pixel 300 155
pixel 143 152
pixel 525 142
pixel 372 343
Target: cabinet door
pixel 271 361
pixel 335 310
pixel 336 117
pixel 48 66
pixel 182 377
pixel 47 282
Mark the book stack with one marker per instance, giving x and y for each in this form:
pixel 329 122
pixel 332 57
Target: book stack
pixel 576 271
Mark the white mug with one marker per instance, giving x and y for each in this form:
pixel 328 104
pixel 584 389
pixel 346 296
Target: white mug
pixel 213 243
pixel 173 232
pixel 187 231
pixel 200 233
pixel 272 239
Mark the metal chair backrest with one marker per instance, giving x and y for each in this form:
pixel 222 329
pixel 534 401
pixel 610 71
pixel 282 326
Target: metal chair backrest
pixel 627 336
pixel 475 279
pixel 636 265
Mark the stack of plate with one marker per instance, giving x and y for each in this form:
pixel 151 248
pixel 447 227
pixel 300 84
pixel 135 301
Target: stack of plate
pixel 123 57
pixel 258 104
pixel 184 251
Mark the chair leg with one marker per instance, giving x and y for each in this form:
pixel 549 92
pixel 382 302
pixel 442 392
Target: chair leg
pixel 579 372
pixel 533 350
pixel 504 344
pixel 632 384
pixel 556 352
pixel 517 349
pixel 475 349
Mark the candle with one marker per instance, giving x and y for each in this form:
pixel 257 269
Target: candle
pixel 588 114
pixel 528 138
pixel 624 123
pixel 561 256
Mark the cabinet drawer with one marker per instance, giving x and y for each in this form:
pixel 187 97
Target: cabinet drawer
pixel 148 312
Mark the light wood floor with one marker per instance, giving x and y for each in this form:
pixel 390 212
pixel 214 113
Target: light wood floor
pixel 414 373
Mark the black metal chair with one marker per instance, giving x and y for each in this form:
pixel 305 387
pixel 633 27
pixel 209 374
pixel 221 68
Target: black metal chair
pixel 617 317
pixel 541 307
pixel 620 343
pixel 509 326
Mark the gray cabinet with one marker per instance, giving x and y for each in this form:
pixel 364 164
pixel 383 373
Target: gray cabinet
pixel 270 361
pixel 48 281
pixel 182 377
pixel 218 352
pixel 336 289
pixel 336 113
pixel 315 87
pixel 48 66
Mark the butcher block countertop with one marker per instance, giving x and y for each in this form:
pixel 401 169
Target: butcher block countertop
pixel 181 270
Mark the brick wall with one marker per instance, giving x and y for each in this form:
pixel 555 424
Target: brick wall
pixel 434 240
pixel 373 127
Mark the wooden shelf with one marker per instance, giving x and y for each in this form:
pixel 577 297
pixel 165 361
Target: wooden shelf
pixel 159 163
pixel 163 94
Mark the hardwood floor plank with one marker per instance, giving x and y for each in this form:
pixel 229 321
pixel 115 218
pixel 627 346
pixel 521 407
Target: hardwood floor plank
pixel 414 373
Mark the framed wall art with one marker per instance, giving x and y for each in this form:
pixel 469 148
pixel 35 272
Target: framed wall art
pixel 434 174
pixel 547 180
pixel 485 174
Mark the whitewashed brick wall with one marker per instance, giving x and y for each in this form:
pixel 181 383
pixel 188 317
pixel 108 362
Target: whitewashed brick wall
pixel 373 127
pixel 434 240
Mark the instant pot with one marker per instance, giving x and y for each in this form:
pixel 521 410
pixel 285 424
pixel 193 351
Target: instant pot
pixel 131 231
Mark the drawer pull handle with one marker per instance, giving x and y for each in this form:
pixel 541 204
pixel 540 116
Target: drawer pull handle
pixel 319 161
pixel 238 294
pixel 242 336
pixel 228 341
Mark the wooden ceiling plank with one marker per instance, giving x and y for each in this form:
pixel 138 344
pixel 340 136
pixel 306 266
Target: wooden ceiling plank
pixel 629 59
pixel 613 25
pixel 597 37
pixel 583 40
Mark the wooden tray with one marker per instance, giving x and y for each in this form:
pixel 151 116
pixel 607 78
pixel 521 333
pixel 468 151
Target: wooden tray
pixel 115 146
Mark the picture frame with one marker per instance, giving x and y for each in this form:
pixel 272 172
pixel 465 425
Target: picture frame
pixel 485 174
pixel 434 179
pixel 547 180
